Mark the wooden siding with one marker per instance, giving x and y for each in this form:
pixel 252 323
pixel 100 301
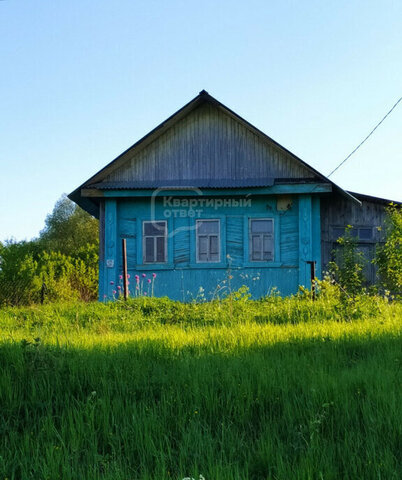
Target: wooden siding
pixel 101 249
pixel 181 242
pixel 110 267
pixel 207 144
pixel 127 228
pixel 289 240
pixel 339 212
pixel 235 239
pixel 181 277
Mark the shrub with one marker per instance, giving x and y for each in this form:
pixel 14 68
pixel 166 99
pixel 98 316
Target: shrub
pixel 18 285
pixel 23 273
pixel 64 257
pixel 66 277
pixel 347 268
pixel 389 256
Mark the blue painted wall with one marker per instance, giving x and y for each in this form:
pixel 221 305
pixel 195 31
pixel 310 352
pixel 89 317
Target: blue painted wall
pixel 296 238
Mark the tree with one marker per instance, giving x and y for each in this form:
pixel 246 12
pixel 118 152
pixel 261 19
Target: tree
pixel 64 257
pixel 68 228
pixel 389 256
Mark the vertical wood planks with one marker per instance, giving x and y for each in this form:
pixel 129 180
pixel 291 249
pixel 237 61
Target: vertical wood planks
pixel 110 264
pixel 209 144
pixel 305 239
pixel 316 235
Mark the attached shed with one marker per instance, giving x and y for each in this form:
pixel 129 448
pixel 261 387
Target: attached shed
pixel 206 199
pixel 367 221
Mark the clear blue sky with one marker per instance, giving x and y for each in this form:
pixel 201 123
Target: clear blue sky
pixel 81 80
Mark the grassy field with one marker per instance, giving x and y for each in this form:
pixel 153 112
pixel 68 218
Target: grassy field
pixel 152 389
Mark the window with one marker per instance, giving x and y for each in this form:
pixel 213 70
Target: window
pixel 208 240
pixel 154 236
pixel 365 233
pixel 360 233
pixel 338 232
pixel 261 240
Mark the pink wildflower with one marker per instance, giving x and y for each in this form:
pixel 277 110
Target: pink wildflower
pixel 149 280
pixel 144 275
pixel 114 292
pixel 145 293
pixel 154 275
pixel 128 275
pixel 119 287
pixel 121 277
pixel 112 282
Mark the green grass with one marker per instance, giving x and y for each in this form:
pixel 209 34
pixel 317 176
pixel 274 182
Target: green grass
pixel 153 389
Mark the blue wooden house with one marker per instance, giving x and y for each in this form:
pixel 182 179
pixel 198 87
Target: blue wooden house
pixel 207 199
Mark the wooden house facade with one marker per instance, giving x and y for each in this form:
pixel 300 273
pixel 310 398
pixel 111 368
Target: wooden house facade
pixel 208 202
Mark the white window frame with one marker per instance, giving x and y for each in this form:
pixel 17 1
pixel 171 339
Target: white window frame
pixel 144 237
pixel 250 241
pixel 208 235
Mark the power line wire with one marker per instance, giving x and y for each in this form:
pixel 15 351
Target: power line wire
pixel 368 136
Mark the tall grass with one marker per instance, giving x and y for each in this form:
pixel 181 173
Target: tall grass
pixel 234 389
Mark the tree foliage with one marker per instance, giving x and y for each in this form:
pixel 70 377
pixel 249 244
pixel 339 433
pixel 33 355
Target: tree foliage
pixel 68 228
pixel 347 268
pixel 64 258
pixel 389 256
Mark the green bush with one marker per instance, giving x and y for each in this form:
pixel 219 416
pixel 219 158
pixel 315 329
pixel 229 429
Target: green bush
pixel 18 285
pixel 347 268
pixel 24 272
pixel 389 256
pixel 64 258
pixel 67 278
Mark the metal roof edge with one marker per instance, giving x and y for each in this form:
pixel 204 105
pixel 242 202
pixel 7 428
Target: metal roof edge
pixel 371 198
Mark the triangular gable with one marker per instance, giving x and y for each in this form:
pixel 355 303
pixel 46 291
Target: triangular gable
pixel 204 144
pixel 209 145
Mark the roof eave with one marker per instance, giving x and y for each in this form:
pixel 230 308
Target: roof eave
pixel 90 205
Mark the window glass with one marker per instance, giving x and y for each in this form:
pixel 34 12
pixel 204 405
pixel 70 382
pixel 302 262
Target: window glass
pixel 208 240
pixel 154 242
pixel 203 248
pixel 149 249
pixel 261 242
pixel 256 247
pixel 154 228
pixel 362 233
pixel 213 244
pixel 338 232
pixel 268 247
pixel 160 249
pixel 365 233
pixel 261 226
pixel 207 226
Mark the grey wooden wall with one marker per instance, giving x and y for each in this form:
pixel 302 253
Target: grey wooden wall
pixel 338 212
pixel 207 144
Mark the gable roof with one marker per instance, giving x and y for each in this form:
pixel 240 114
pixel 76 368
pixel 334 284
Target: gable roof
pixel 101 179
